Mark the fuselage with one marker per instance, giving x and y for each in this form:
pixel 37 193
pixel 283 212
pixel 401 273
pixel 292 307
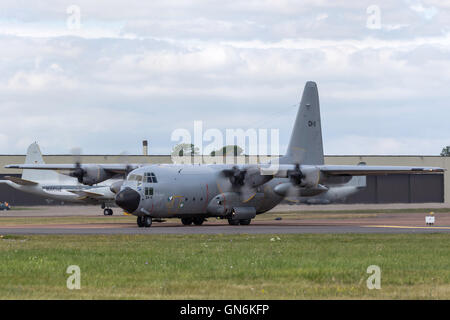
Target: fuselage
pixel 182 190
pixel 68 191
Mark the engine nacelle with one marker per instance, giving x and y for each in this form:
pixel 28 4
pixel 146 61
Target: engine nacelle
pixel 288 189
pixel 243 213
pixel 115 187
pixel 93 175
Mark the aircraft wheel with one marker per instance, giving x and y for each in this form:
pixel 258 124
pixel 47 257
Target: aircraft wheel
pixel 199 221
pixel 187 221
pixel 147 221
pixel 233 222
pixel 105 212
pixel 245 222
pixel 108 212
pixel 140 222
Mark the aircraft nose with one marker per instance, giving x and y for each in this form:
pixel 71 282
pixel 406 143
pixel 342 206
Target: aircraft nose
pixel 128 199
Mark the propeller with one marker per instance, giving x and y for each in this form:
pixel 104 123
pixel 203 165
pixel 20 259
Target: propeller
pixel 124 159
pixel 88 174
pixel 245 181
pixel 295 175
pixel 301 183
pixel 236 175
pixel 238 182
pixel 78 172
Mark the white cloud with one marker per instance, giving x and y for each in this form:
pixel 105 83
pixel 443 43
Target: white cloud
pixel 140 72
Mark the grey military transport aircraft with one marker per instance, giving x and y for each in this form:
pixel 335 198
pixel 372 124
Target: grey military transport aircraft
pixel 238 193
pixel 53 185
pixel 194 192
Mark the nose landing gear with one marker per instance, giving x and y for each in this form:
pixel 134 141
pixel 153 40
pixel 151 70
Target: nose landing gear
pixel 106 211
pixel 144 221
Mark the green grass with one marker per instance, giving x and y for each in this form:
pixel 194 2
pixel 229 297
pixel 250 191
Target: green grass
pixel 414 266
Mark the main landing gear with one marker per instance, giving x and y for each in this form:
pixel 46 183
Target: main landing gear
pixel 189 221
pixel 144 221
pixel 243 222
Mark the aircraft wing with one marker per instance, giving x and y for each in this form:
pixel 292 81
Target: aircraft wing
pixel 353 170
pixel 115 168
pixel 87 194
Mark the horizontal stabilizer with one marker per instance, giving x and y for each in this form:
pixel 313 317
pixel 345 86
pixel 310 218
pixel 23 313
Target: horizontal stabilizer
pixel 22 182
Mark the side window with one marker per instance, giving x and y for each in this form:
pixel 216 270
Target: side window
pixel 148 191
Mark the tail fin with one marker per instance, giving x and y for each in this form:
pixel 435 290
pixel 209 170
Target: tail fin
pixel 34 156
pixel 305 146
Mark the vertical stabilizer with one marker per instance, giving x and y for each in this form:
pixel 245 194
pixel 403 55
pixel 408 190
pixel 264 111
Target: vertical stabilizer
pixel 305 146
pixel 34 156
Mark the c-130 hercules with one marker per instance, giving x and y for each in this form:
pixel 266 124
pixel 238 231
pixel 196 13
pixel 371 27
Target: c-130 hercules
pixel 240 192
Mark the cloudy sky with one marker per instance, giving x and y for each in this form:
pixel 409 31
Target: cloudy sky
pixel 132 70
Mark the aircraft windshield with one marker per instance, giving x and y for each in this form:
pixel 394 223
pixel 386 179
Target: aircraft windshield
pixel 135 177
pixel 150 177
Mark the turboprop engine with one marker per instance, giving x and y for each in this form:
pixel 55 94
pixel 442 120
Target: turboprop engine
pixel 245 180
pixel 90 174
pixel 303 181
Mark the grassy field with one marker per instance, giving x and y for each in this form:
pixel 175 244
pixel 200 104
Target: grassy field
pixel 413 266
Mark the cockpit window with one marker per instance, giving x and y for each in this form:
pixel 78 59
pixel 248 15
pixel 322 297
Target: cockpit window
pixel 150 177
pixel 135 177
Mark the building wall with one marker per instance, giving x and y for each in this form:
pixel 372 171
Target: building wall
pixel 422 161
